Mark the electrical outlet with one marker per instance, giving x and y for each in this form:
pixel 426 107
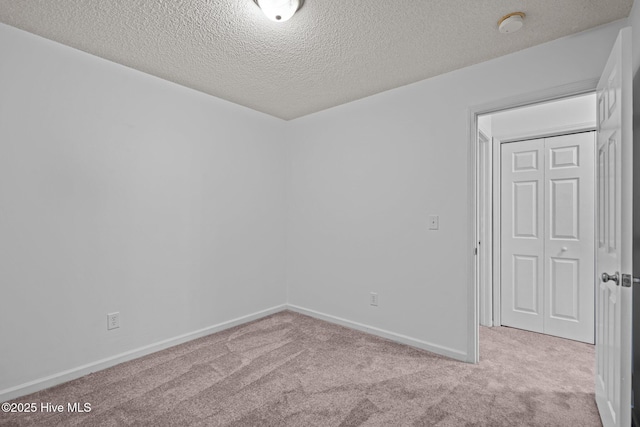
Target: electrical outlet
pixel 434 222
pixel 373 299
pixel 113 320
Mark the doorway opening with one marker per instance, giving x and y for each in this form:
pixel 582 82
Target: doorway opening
pixel 535 242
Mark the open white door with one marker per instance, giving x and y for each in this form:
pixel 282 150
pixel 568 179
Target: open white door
pixel 614 178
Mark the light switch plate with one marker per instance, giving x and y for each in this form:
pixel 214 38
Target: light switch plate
pixel 434 222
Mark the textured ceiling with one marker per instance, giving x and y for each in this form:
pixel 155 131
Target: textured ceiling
pixel 329 53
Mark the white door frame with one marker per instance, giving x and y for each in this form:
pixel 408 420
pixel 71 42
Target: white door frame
pixel 485 228
pixel 577 88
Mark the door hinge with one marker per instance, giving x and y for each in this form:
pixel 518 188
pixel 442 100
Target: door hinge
pixel 628 279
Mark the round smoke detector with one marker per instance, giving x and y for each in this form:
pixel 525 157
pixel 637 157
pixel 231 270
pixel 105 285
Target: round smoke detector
pixel 511 23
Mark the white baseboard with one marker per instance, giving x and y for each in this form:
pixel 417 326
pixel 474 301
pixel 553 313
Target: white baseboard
pixel 71 374
pixel 403 339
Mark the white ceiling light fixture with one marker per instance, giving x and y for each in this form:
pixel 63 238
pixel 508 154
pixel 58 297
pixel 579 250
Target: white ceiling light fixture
pixel 279 10
pixel 511 23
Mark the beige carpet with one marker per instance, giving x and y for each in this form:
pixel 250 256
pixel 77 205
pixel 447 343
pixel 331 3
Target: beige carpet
pixel 292 370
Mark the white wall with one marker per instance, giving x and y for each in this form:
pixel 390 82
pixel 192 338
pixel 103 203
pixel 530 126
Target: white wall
pixel 123 192
pixel 365 176
pixel 484 125
pixel 569 113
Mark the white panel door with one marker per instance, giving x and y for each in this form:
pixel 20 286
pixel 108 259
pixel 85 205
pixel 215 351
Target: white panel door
pixel 614 236
pixel 569 237
pixel 522 235
pixel 547 236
